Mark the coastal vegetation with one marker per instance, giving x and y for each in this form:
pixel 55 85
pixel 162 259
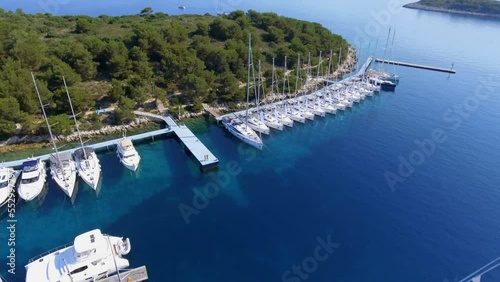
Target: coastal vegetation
pixel 123 62
pixel 476 7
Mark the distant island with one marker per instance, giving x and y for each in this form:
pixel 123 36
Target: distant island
pixel 485 8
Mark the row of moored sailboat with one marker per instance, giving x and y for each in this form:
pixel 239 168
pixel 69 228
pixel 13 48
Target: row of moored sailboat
pixel 64 166
pixel 283 113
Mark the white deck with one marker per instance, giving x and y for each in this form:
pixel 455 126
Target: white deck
pixel 196 147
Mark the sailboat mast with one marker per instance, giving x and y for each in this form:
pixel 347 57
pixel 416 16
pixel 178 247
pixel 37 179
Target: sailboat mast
pixel 46 120
pixel 329 64
pixel 319 63
pixel 284 80
pixel 248 76
pixel 386 45
pixel 298 77
pixel 74 118
pixel 273 81
pixel 338 64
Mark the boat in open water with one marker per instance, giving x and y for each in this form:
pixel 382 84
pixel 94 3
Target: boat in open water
pixel 93 256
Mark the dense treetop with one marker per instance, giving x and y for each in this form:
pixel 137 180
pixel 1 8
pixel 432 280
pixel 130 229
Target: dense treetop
pixel 120 60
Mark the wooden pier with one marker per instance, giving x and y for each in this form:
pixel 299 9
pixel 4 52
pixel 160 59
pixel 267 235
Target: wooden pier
pixel 132 275
pixel 211 111
pixel 397 63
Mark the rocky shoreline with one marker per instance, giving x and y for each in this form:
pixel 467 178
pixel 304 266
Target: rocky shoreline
pixel 106 130
pixel 418 6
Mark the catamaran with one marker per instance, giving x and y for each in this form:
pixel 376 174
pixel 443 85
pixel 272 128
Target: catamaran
pixel 93 256
pixel 86 159
pixel 62 165
pixel 33 179
pixel 127 154
pixel 8 179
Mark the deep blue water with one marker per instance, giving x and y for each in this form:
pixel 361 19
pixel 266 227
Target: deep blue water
pixel 324 179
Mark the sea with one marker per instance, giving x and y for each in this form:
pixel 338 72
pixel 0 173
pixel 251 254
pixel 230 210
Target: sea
pixel 405 186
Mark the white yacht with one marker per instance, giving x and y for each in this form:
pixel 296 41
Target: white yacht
pixel 62 166
pixel 127 154
pixel 86 159
pixel 242 132
pixel 283 118
pixel 8 179
pixel 33 179
pixel 92 256
pixel 271 121
pixel 256 124
pixel 63 171
pixel 302 109
pixel 88 166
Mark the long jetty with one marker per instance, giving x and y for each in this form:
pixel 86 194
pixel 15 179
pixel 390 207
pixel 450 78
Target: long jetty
pixel 398 63
pixel 204 157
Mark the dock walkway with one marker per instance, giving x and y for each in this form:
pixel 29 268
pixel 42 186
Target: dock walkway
pixel 97 146
pixel 451 70
pixel 206 159
pixel 132 275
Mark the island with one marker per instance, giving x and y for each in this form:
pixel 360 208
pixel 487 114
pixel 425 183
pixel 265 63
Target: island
pixel 484 8
pixel 115 65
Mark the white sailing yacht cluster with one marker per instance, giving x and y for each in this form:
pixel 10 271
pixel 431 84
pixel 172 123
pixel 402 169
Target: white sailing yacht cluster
pixel 298 107
pixel 64 166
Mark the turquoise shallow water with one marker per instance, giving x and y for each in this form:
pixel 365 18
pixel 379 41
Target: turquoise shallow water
pixel 324 179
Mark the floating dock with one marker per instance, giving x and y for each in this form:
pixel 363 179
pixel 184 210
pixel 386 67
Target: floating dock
pixel 132 275
pixel 397 63
pixel 205 158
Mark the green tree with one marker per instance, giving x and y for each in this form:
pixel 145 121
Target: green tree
pixel 146 11
pixel 125 111
pixel 29 124
pixel 55 70
pixel 7 127
pixel 140 63
pixel 116 91
pixel 9 109
pixel 60 124
pixel 83 25
pixel 117 60
pixel 193 86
